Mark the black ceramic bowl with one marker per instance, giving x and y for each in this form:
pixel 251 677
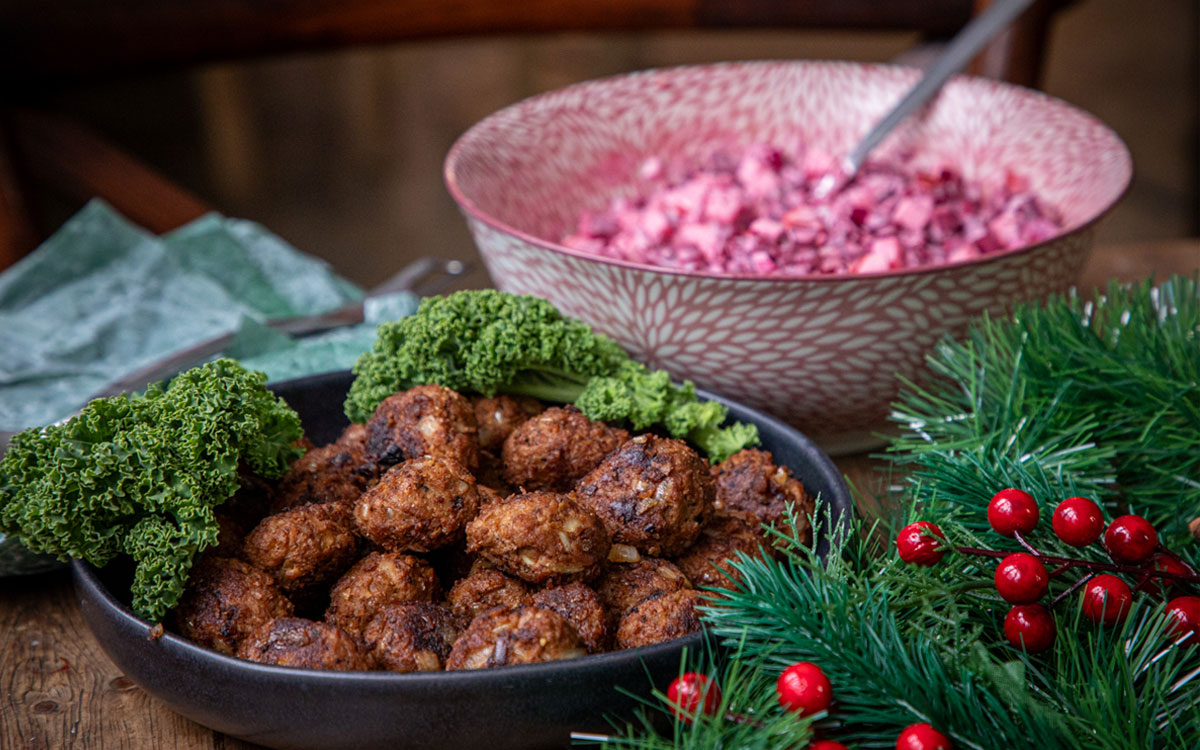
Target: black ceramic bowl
pixel 524 706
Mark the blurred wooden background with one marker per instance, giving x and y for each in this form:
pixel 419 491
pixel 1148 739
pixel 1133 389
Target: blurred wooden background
pixel 341 152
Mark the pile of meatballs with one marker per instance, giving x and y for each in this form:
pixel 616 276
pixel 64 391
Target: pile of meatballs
pixel 462 533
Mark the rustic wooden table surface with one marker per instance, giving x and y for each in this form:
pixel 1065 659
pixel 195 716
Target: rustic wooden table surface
pixel 59 690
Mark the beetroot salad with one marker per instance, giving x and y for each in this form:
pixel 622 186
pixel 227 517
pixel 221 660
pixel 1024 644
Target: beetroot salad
pixel 758 214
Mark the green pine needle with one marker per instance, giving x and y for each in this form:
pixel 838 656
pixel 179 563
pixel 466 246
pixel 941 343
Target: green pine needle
pixel 1100 398
pixel 1066 398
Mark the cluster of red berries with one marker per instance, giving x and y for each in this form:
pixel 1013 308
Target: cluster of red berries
pixel 803 689
pixel 1022 579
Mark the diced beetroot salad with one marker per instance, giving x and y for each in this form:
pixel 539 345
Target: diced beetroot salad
pixel 758 215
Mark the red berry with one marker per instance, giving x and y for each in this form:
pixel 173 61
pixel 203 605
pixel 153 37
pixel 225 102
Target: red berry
pixel 1021 578
pixel 804 689
pixel 1106 599
pixel 1012 510
pixel 827 745
pixel 1130 539
pixel 1164 563
pixel 922 737
pixel 1030 626
pixel 688 691
pixel 1185 613
pixel 1078 521
pixel 921 543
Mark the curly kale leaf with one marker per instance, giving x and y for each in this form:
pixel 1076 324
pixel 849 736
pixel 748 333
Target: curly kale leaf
pixel 141 475
pixel 486 341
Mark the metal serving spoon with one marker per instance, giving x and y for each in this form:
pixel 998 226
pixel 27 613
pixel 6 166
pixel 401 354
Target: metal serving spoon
pixel 964 46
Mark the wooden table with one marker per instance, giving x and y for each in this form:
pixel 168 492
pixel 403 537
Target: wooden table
pixel 61 691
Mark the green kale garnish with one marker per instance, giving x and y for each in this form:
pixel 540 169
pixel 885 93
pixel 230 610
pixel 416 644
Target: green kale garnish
pixel 140 475
pixel 489 342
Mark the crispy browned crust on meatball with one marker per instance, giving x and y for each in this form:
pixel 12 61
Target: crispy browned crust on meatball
pixel 749 484
pixel 330 474
pixel 554 449
pixel 377 580
pixel 623 587
pixel 709 562
pixel 411 636
pixel 488 495
pixel 580 606
pixel 652 493
pixel 498 416
pixel 296 642
pixel 515 635
pixel 225 601
pixel 421 421
pixel 304 547
pixel 540 537
pixel 485 588
pixel 661 618
pixel 419 505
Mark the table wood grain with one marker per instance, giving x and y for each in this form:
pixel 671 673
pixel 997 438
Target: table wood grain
pixel 61 692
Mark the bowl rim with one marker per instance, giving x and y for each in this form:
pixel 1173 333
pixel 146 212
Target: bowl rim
pixel 87 578
pixel 473 211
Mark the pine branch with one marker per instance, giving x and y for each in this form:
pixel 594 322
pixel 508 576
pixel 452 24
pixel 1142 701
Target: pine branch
pixel 893 657
pixel 746 692
pixel 1103 398
pixel 1071 398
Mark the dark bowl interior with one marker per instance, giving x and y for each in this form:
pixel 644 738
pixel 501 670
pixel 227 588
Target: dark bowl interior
pixel 525 706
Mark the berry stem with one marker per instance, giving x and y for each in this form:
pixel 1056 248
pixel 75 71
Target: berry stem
pixel 1087 564
pixel 1061 569
pixel 1175 557
pixel 1028 547
pixel 1071 590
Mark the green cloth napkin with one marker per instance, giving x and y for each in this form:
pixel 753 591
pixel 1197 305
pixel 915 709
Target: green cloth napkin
pixel 103 298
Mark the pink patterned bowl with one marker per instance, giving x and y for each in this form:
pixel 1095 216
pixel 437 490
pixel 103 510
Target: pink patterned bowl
pixel 821 352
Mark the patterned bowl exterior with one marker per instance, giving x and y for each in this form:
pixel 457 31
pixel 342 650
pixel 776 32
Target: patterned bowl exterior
pixel 820 352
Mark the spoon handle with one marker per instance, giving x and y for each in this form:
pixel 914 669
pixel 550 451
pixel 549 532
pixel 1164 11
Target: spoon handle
pixel 966 43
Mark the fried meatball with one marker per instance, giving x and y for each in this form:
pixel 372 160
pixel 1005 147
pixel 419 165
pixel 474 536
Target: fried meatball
pixel 498 416
pixel 709 562
pixel 579 605
pixel 304 547
pixel 377 580
pixel 515 635
pixel 484 589
pixel 540 537
pixel 554 449
pixel 418 506
pixel 423 421
pixel 296 642
pixel 623 587
pixel 335 473
pixel 225 601
pixel 751 485
pixel 661 618
pixel 652 493
pixel 411 637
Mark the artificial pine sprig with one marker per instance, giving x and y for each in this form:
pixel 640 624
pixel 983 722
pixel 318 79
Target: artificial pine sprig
pixel 1099 398
pixel 1067 399
pixel 746 715
pixel 902 645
